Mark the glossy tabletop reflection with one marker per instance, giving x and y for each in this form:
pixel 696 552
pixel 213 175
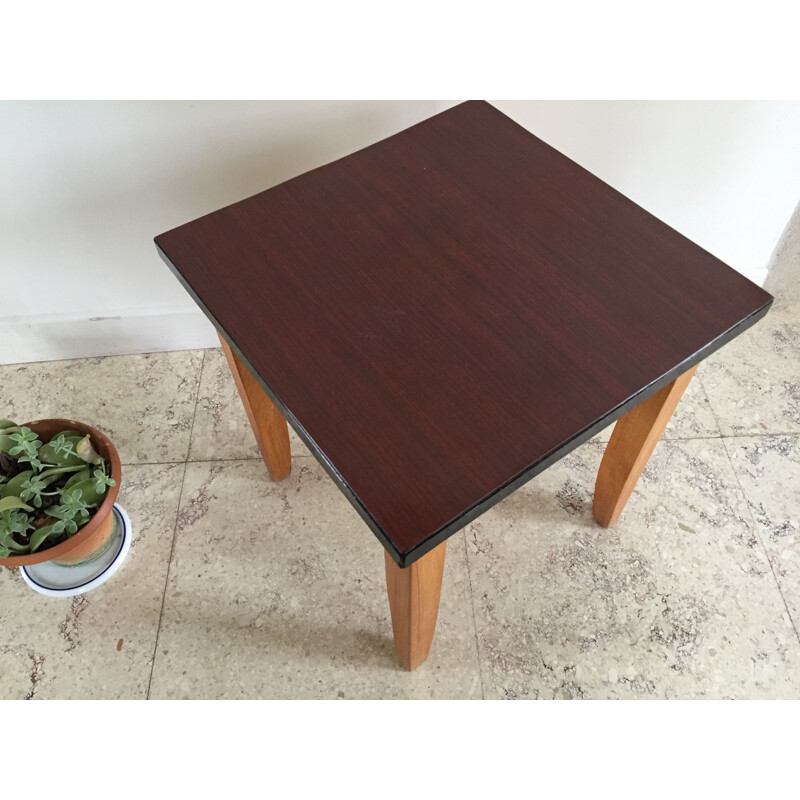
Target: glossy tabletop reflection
pixel 446 313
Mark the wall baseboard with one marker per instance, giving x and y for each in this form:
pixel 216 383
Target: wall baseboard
pixel 47 338
pixel 43 338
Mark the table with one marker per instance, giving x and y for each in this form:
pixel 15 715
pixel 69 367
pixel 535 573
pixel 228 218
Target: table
pixel 446 313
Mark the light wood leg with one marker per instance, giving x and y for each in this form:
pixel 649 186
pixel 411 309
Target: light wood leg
pixel 632 442
pixel 414 602
pixel 268 424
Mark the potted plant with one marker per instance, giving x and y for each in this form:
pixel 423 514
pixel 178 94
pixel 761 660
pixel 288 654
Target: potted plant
pixel 59 480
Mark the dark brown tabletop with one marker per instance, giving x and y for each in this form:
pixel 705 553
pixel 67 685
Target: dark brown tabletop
pixel 446 313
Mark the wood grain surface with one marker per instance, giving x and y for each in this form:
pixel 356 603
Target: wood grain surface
pixel 266 421
pixel 631 444
pixel 414 594
pixel 447 312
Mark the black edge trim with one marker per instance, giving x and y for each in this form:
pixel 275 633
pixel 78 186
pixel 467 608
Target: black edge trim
pixel 405 559
pixel 334 474
pixel 559 452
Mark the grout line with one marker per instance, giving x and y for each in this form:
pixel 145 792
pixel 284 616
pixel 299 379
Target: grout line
pixel 729 436
pixel 196 403
pixel 474 619
pixel 665 438
pixel 166 580
pixel 759 434
pixel 190 461
pixel 757 529
pixel 203 461
pixel 151 463
pixel 309 455
pixel 756 526
pixel 175 530
pixel 722 435
pixel 245 458
pixel 708 403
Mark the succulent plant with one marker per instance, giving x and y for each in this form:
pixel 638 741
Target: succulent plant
pixel 47 489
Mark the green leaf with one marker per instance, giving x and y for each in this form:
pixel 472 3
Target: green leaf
pixel 13 502
pixel 60 451
pixel 28 444
pixel 7 423
pixel 61 444
pixel 89 495
pixel 26 439
pixel 39 536
pixel 102 481
pixel 14 521
pixel 51 474
pixel 74 503
pixel 14 486
pixel 7 532
pixel 65 521
pixel 61 512
pixel 12 548
pixel 32 490
pixel 69 510
pixel 78 477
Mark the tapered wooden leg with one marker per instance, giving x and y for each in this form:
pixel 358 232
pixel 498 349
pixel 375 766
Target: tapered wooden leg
pixel 632 442
pixel 414 602
pixel 268 424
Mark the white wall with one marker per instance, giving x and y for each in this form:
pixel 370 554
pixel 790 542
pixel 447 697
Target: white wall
pixel 724 174
pixel 84 187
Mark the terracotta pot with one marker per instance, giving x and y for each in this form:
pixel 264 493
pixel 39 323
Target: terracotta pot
pixel 91 536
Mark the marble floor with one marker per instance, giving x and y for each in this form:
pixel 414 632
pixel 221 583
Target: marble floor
pixel 237 587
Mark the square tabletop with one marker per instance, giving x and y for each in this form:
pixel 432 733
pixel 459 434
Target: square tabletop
pixel 444 314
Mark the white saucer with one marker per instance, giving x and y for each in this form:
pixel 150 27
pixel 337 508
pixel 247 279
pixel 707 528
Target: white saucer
pixel 57 580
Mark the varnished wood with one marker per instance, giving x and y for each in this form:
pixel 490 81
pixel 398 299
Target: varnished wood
pixel 414 603
pixel 446 313
pixel 632 443
pixel 268 424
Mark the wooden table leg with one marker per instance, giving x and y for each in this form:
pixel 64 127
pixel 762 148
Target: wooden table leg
pixel 414 602
pixel 632 442
pixel 268 424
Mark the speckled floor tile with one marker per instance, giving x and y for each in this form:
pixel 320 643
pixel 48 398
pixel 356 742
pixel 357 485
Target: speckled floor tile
pixel 221 428
pixel 768 468
pixel 98 645
pixel 783 279
pixel 753 383
pixel 144 403
pixel 677 600
pixel 692 419
pixel 278 591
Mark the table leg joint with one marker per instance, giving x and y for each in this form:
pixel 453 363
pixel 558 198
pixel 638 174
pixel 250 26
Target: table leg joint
pixel 632 442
